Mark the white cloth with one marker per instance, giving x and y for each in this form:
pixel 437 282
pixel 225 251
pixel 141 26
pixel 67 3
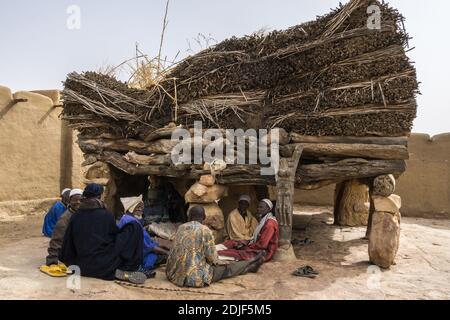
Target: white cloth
pixel 220 247
pixel 245 198
pixel 75 192
pixel 269 203
pixel 129 204
pixel 64 191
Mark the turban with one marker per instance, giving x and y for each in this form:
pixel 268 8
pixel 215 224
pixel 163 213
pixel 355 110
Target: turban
pixel 268 203
pixel 65 190
pixel 245 198
pixel 75 192
pixel 129 204
pixel 93 190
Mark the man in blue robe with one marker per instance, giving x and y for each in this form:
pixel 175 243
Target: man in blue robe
pixel 56 212
pixel 154 253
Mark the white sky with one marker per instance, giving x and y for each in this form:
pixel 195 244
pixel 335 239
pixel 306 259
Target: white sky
pixel 37 49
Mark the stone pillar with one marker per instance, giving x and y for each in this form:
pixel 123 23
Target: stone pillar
pixel 384 237
pixel 382 186
pixel 207 194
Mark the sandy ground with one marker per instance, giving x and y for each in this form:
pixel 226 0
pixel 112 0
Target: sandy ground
pixel 339 254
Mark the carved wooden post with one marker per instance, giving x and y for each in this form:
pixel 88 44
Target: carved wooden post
pixel 285 197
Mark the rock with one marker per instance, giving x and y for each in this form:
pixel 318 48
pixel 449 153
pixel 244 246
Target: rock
pixel 352 204
pixel 384 185
pixel 196 193
pixel 215 167
pixel 198 190
pixel 98 172
pixel 207 180
pixel 384 237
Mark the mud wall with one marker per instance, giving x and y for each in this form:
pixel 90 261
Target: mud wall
pixel 425 186
pixel 37 155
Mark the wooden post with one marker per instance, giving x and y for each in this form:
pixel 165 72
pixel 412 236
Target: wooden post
pixel 338 191
pixel 285 202
pixel 371 210
pixel 351 203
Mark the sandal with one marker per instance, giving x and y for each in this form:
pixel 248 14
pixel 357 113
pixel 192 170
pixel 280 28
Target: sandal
pixel 55 271
pixel 133 277
pixel 306 272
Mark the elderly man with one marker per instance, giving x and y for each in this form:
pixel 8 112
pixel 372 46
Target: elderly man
pixel 154 253
pixel 94 243
pixel 241 223
pixel 192 260
pixel 54 248
pixel 264 240
pixel 55 213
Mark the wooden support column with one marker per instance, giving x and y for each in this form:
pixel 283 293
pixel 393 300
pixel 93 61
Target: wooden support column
pixel 371 210
pixel 285 203
pixel 351 205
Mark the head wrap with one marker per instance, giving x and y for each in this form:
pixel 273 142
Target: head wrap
pixel 65 190
pixel 93 190
pixel 245 198
pixel 129 204
pixel 269 203
pixel 75 192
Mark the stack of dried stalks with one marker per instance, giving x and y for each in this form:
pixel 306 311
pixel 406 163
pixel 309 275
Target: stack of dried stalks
pixel 332 76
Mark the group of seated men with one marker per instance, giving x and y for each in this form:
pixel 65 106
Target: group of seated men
pixel 86 235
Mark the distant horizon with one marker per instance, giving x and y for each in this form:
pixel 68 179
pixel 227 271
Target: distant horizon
pixel 39 49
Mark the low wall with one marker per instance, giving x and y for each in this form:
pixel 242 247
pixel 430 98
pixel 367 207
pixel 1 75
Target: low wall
pixel 424 187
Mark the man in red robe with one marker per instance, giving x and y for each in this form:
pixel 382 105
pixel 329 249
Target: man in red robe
pixel 265 238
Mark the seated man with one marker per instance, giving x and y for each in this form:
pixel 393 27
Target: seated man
pixel 265 237
pixel 54 248
pixel 240 223
pixel 95 244
pixel 192 260
pixel 154 253
pixel 55 213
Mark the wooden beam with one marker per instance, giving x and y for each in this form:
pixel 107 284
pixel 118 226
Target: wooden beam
pixel 163 146
pixel 349 169
pixel 156 159
pixel 347 150
pixel 9 106
pixel 297 138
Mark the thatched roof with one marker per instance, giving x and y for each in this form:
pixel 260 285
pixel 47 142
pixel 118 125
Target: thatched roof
pixel 331 76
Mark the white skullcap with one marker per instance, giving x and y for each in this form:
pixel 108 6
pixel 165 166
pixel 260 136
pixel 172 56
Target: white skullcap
pixel 64 191
pixel 75 192
pixel 129 204
pixel 268 202
pixel 245 198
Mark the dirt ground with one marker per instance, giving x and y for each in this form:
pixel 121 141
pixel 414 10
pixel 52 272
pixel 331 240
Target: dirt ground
pixel 339 254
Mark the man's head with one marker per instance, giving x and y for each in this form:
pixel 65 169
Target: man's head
pixel 244 203
pixel 93 190
pixel 75 199
pixel 133 206
pixel 65 195
pixel 139 210
pixel 197 213
pixel 264 207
